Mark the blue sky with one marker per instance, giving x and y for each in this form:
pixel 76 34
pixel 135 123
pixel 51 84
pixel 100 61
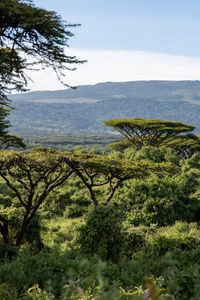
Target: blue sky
pixel 166 28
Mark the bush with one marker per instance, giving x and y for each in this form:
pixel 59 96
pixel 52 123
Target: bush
pixel 75 211
pixel 136 238
pixel 182 235
pixel 33 232
pixel 161 200
pixel 7 292
pixel 7 251
pixel 102 234
pixel 35 293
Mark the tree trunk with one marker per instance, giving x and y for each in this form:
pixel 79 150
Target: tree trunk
pixel 22 231
pixel 93 197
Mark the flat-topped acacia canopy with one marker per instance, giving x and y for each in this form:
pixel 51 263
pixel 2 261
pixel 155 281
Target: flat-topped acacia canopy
pixel 32 176
pixel 153 132
pixel 185 145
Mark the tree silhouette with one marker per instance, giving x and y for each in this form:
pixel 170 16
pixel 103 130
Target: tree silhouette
pixel 31 38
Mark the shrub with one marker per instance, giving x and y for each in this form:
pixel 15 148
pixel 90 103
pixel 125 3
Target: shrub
pixel 7 292
pixel 35 293
pixel 75 211
pixel 7 251
pixel 102 234
pixel 136 238
pixel 33 232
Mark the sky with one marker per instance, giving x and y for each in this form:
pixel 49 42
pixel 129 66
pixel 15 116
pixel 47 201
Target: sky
pixel 128 40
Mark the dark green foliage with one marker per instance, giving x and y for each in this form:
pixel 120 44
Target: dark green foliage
pixel 76 210
pixel 8 292
pixel 59 273
pixel 136 238
pixel 169 254
pixel 7 251
pixel 70 200
pixel 33 233
pixel 150 229
pixel 11 141
pixel 102 234
pixel 4 112
pixel 161 201
pixel 154 154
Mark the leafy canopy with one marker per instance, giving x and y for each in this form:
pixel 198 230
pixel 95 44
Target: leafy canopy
pixel 147 131
pixel 31 177
pixel 185 145
pixel 98 171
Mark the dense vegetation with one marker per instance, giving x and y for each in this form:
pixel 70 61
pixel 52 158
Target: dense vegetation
pixel 89 225
pixel 93 225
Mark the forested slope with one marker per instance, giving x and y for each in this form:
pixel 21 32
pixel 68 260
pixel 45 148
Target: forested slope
pixel 83 110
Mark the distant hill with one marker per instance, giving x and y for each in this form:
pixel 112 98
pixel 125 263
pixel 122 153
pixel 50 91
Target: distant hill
pixel 83 110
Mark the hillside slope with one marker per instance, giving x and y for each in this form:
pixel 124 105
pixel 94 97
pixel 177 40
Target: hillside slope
pixel 83 110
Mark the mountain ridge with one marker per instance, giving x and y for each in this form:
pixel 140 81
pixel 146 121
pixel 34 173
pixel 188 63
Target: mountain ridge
pixel 83 110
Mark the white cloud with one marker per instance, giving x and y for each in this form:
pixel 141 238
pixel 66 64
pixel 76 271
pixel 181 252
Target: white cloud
pixel 107 65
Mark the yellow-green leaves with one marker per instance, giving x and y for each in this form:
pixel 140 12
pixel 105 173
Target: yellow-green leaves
pixel 141 132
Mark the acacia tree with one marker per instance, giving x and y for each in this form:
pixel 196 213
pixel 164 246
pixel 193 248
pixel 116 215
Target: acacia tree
pixel 100 172
pixel 185 145
pixel 31 38
pixel 145 131
pixel 31 177
pixel 121 145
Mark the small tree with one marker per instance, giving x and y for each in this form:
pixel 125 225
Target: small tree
pixel 151 132
pixel 102 234
pixel 31 177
